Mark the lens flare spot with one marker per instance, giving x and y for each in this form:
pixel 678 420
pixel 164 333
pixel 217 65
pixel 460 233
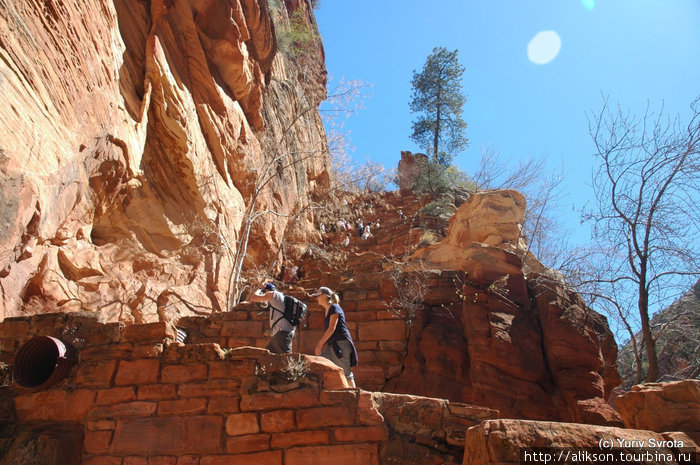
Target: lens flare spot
pixel 588 4
pixel 544 47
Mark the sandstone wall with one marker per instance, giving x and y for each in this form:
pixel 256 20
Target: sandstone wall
pixel 132 135
pixel 380 335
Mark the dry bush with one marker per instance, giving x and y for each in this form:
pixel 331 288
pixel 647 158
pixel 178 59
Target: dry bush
pixel 428 238
pixel 411 283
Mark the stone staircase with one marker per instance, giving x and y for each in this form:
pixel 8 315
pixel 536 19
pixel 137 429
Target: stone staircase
pixel 395 238
pixel 364 283
pixel 362 276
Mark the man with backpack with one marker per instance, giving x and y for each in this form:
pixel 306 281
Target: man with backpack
pixel 285 313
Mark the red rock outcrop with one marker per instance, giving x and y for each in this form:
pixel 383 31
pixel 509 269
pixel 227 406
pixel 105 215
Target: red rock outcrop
pixel 135 137
pixel 508 441
pixel 516 341
pixel 408 169
pixel 132 135
pixel 673 406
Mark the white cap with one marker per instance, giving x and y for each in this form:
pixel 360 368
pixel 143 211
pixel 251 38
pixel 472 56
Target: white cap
pixel 322 290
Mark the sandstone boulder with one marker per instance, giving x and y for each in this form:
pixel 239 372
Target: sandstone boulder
pixel 661 407
pixel 481 237
pixel 506 441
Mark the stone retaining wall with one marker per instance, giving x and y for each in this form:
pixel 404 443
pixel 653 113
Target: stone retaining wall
pixel 380 333
pixel 137 397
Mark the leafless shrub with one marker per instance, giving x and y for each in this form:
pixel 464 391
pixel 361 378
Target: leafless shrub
pixel 292 375
pixel 428 237
pixel 411 283
pixel 6 375
pixel 500 286
pixel 296 368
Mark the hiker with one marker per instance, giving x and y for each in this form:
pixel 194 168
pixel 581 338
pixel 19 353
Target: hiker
pixel 282 331
pixel 403 217
pixel 323 228
pixel 346 242
pixel 336 342
pixel 366 234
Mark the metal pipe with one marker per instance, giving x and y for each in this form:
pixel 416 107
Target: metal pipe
pixel 43 361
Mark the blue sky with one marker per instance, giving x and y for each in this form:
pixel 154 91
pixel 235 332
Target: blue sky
pixel 632 51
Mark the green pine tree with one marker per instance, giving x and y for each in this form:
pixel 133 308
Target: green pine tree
pixel 437 99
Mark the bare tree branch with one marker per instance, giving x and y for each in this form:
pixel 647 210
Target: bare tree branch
pixel 646 190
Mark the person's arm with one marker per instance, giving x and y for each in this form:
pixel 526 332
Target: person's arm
pixel 255 297
pixel 327 335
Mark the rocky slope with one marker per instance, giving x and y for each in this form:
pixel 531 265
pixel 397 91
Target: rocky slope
pixel 678 345
pixel 133 136
pixel 471 318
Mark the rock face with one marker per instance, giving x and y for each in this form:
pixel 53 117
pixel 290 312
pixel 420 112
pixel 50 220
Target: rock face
pixel 130 148
pixel 507 441
pixel 408 169
pixel 521 342
pixel 662 406
pixel 484 226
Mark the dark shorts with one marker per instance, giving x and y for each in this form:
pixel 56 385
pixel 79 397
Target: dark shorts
pixel 281 343
pixel 344 360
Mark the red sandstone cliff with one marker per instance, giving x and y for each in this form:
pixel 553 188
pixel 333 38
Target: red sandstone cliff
pixel 523 343
pixel 132 133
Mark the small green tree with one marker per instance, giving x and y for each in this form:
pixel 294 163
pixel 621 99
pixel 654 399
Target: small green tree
pixel 297 38
pixel 437 98
pixel 431 179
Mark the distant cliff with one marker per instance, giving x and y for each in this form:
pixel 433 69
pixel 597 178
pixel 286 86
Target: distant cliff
pixel 131 136
pixel 678 344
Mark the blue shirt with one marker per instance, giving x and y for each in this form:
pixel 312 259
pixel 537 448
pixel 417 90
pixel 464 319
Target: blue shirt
pixel 341 329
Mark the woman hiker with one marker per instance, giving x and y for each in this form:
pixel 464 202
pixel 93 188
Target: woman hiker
pixel 336 342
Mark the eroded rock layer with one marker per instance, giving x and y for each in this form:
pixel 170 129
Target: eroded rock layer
pixel 515 441
pixel 134 135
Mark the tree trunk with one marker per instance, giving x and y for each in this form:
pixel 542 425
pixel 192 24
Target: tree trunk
pixel 635 351
pixel 436 135
pixel 649 342
pixel 638 362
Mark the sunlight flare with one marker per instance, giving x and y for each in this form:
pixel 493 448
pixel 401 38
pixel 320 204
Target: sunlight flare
pixel 588 4
pixel 544 47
